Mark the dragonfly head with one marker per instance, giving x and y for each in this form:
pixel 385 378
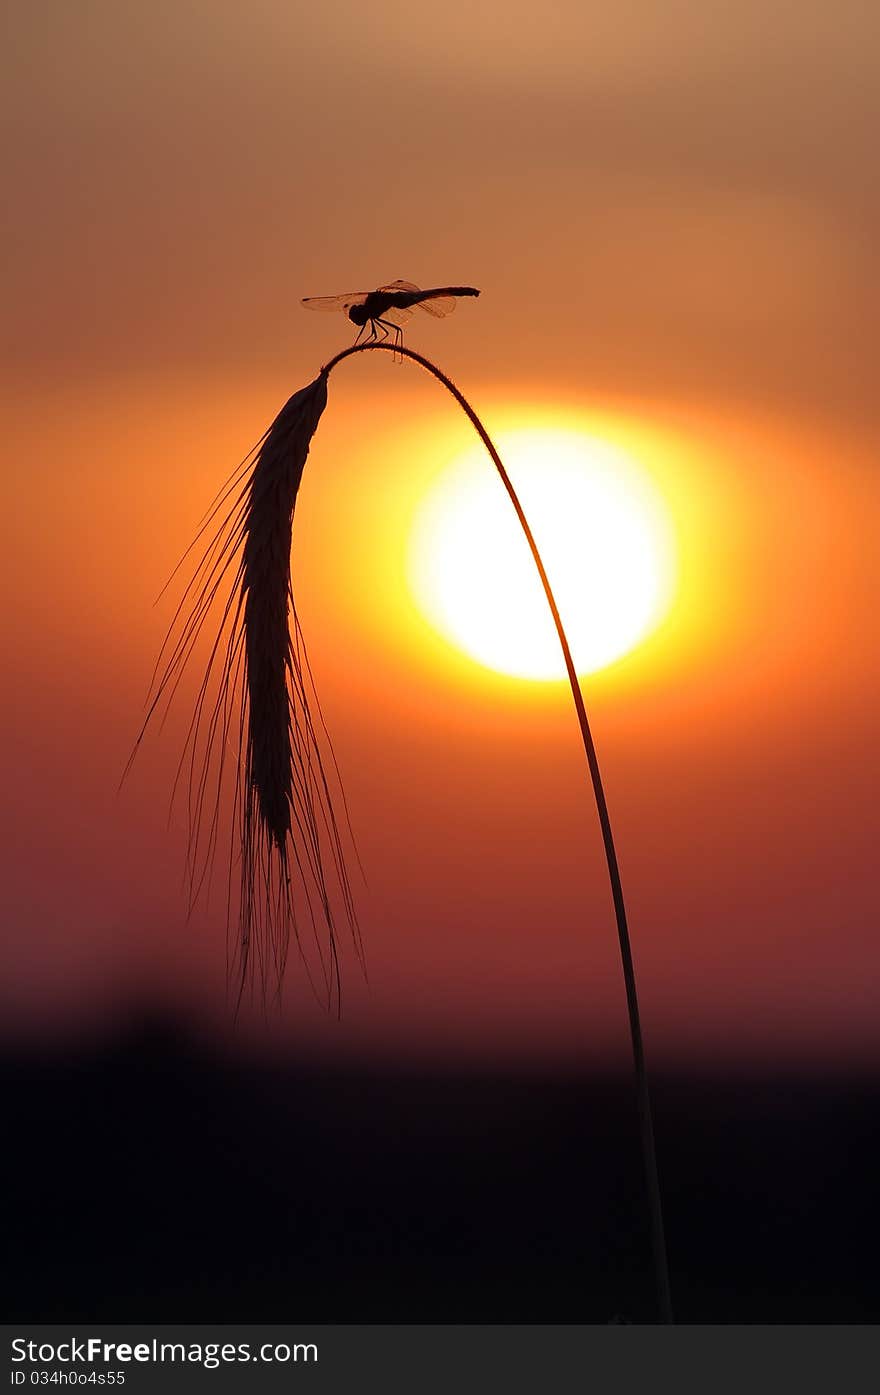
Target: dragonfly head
pixel 358 315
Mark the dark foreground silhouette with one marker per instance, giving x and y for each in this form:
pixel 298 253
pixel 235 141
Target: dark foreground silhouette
pixel 149 1178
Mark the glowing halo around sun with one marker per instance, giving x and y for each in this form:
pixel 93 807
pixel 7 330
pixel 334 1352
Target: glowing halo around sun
pixel 603 532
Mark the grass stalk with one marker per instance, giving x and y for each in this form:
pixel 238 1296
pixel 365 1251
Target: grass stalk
pixel 256 703
pixel 649 1152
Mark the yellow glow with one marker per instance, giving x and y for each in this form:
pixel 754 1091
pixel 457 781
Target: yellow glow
pixel 602 530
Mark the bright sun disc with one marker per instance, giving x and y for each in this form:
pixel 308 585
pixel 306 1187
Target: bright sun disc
pixel 602 531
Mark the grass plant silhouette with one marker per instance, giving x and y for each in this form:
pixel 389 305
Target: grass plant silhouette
pixel 284 788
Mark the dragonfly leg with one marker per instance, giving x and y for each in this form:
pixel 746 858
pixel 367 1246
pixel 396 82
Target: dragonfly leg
pixel 396 330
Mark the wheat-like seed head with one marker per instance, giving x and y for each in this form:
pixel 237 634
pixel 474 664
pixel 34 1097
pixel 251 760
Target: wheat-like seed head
pixel 257 698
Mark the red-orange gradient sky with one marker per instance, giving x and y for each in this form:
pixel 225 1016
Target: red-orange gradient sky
pixel 671 215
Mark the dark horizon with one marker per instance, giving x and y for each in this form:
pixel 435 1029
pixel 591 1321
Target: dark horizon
pixel 155 1177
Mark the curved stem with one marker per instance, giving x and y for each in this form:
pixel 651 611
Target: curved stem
pixel 649 1153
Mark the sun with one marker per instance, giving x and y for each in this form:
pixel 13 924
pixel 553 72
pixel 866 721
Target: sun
pixel 603 532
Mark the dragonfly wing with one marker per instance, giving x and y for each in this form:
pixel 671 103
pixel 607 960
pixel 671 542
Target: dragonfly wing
pixel 396 316
pixel 440 306
pixel 335 302
pixel 399 286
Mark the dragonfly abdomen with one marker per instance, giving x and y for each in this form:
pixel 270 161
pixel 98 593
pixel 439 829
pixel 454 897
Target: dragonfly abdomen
pixel 404 299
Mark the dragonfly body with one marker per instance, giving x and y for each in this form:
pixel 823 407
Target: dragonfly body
pixel 379 302
pixel 386 310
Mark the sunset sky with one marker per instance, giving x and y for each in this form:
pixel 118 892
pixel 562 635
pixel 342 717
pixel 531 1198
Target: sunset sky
pixel 672 214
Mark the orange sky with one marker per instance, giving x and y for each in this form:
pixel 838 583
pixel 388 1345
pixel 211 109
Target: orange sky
pixel 669 215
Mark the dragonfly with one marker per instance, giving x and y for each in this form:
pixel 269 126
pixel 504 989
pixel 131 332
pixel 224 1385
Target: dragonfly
pixel 386 310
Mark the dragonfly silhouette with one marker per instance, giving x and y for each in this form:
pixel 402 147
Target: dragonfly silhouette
pixel 386 310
